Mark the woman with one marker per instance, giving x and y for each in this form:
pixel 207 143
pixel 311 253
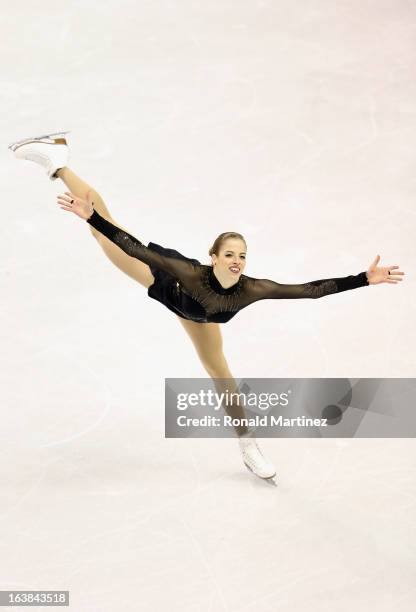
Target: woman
pixel 201 296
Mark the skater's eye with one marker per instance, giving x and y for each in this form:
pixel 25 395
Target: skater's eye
pixel 230 255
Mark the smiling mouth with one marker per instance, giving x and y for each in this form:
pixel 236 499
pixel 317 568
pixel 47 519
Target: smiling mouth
pixel 234 269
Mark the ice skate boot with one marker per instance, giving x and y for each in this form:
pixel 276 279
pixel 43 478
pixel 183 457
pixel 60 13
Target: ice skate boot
pixel 50 151
pixel 254 460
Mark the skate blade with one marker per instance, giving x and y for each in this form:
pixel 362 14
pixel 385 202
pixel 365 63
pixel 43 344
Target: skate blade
pixel 270 479
pixel 19 143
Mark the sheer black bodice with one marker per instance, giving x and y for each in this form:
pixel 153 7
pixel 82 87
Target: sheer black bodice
pixel 191 289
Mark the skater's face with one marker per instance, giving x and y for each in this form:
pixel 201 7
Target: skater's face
pixel 231 259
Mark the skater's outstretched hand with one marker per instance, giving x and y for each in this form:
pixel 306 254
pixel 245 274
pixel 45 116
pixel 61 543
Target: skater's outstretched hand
pixel 82 208
pixel 377 274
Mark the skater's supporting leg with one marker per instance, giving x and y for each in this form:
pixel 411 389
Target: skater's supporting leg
pixel 207 340
pixel 131 266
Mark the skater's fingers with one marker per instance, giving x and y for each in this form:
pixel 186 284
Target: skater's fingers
pixel 67 198
pixel 66 205
pixel 73 203
pixel 70 196
pixel 63 200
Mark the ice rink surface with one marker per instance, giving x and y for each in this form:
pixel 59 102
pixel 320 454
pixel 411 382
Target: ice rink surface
pixel 292 123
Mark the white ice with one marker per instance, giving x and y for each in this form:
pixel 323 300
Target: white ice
pixel 290 122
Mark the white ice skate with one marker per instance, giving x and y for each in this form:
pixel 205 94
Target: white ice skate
pixel 254 460
pixel 50 151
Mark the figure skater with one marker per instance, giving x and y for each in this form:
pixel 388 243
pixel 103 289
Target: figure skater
pixel 201 296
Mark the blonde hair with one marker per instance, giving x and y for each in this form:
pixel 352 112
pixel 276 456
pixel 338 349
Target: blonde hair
pixel 215 249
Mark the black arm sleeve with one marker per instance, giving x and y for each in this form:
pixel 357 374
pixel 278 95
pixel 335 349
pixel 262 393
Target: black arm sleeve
pixel 180 269
pixel 262 289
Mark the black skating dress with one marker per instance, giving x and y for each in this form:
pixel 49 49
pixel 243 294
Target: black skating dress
pixel 192 291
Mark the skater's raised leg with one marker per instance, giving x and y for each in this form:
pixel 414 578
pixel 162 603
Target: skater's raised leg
pixel 131 266
pixel 51 152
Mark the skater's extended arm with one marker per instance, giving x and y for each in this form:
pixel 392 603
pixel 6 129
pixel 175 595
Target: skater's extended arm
pixel 183 270
pixel 261 289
